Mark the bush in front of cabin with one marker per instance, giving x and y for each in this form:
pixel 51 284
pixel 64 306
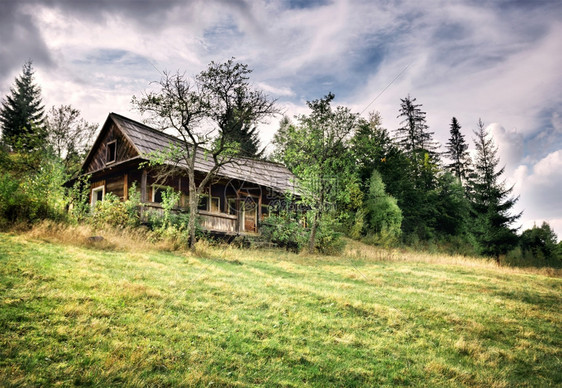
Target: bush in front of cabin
pixel 284 231
pixel 110 212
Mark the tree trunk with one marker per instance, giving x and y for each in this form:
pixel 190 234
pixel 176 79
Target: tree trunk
pixel 193 202
pixel 314 227
pixel 317 216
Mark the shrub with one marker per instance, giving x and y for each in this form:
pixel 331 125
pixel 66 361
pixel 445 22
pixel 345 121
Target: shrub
pixel 33 195
pixel 77 200
pixel 111 211
pixel 284 231
pixel 383 214
pixel 328 240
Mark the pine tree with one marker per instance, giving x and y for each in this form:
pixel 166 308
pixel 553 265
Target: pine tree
pixel 457 151
pixel 22 113
pixel 246 135
pixel 417 143
pixel 491 201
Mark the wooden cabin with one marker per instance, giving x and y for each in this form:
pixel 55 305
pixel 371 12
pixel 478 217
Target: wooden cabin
pixel 234 203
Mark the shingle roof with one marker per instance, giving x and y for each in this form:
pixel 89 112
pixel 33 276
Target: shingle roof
pixel 267 174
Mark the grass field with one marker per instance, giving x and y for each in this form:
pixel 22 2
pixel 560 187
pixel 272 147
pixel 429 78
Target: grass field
pixel 79 315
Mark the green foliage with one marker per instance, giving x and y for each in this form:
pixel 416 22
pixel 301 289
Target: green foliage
pixel 329 241
pixel 284 230
pixel 77 198
pixel 490 200
pixel 316 150
pixel 31 187
pixel 417 144
pixel 111 211
pixel 21 113
pixel 356 229
pixel 457 151
pixel 383 214
pixel 69 135
pixel 539 247
pixel 114 212
pixel 372 148
pixel 450 213
pixel 170 199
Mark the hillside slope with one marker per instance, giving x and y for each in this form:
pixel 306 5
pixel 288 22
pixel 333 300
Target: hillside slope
pixel 80 316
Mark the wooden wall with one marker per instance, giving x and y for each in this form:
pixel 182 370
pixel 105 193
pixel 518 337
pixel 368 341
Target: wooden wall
pixel 124 150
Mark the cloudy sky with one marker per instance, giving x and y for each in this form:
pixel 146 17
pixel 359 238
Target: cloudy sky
pixel 498 60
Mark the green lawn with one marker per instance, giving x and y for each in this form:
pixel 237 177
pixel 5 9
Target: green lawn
pixel 83 316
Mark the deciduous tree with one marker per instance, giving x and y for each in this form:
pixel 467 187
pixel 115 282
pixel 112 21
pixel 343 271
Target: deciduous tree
pixel 69 135
pixel 316 150
pixel 201 110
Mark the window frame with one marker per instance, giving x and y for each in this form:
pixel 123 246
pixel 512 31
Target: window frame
pixel 210 204
pixel 95 190
pixel 232 210
pixel 201 196
pixel 107 154
pixel 159 187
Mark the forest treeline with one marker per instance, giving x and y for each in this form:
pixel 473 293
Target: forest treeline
pixel 356 178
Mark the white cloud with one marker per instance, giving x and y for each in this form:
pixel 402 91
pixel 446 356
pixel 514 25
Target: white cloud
pixel 540 188
pixel 277 91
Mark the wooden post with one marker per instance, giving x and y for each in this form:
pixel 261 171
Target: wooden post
pixel 125 187
pixel 259 207
pixel 239 214
pixel 143 186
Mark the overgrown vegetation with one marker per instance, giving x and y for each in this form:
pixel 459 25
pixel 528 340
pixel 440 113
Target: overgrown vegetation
pixel 355 178
pixel 116 312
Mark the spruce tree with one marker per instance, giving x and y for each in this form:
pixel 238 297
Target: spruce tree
pixel 246 135
pixel 490 199
pixel 22 113
pixel 457 151
pixel 416 141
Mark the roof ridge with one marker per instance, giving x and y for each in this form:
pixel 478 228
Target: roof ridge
pixel 162 133
pixel 155 131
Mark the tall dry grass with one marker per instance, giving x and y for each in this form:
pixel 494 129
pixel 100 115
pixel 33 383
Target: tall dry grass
pixel 84 235
pixel 358 250
pixel 143 240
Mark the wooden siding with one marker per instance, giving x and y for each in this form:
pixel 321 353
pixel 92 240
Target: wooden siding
pixel 115 185
pixel 219 222
pixel 95 185
pixel 125 150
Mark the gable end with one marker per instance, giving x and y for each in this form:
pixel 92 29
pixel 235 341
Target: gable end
pixel 111 147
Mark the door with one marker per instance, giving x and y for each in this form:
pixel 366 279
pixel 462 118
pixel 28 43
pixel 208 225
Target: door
pixel 250 214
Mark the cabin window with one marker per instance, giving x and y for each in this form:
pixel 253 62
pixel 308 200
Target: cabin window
pixel 111 151
pixel 203 202
pixel 97 195
pixel 231 206
pixel 157 191
pixel 215 205
pixel 264 211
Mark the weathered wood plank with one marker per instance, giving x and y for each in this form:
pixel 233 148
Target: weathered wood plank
pixel 125 150
pixel 143 186
pixel 126 187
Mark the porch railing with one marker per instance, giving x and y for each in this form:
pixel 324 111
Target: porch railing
pixel 215 222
